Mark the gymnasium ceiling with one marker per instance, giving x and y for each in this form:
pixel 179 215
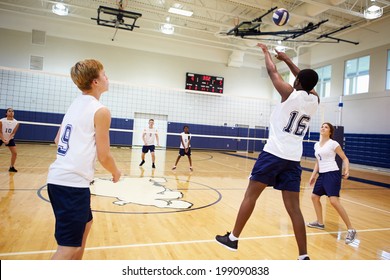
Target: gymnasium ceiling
pixel 207 26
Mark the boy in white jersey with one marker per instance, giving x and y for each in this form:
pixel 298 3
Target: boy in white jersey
pixel 8 128
pixel 279 163
pixel 82 137
pixel 185 146
pixel 329 179
pixel 150 133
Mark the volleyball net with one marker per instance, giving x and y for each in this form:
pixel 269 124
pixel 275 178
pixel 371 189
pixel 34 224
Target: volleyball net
pixel 41 99
pixel 237 139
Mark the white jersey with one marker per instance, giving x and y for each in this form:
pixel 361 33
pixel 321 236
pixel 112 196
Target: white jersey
pixel 8 127
pixel 76 153
pixel 150 135
pixel 289 122
pixel 326 156
pixel 186 139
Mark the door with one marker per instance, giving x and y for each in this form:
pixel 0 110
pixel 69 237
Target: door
pixel 141 121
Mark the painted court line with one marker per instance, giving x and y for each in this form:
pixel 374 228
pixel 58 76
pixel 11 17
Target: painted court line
pixel 365 205
pixel 185 242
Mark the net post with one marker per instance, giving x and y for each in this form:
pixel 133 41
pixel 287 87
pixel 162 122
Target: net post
pixel 339 137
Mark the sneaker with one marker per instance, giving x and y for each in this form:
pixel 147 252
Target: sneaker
pixel 316 225
pixel 142 162
pixel 350 236
pixel 173 168
pixel 225 241
pixel 153 166
pixel 12 169
pixel 304 259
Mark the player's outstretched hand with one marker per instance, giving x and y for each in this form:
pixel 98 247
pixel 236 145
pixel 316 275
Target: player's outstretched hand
pixel 263 47
pixel 281 55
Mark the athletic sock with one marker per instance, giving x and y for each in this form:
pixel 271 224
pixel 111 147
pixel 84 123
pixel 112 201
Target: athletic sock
pixel 232 237
pixel 302 257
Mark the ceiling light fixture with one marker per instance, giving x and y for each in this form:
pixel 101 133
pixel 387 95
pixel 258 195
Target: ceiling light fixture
pixel 373 11
pixel 60 9
pixel 167 28
pixel 181 12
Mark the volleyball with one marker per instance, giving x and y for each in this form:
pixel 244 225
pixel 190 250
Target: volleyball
pixel 281 16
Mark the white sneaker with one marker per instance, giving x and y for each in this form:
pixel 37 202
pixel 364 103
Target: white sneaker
pixel 316 225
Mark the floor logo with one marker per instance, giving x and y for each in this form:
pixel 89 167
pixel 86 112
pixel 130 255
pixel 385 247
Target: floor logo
pixel 143 191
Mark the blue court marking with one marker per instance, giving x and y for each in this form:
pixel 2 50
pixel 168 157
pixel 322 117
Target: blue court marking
pixel 356 179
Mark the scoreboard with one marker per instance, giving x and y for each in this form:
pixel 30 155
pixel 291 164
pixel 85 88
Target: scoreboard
pixel 205 83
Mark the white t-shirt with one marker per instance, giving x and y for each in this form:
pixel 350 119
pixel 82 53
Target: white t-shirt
pixel 186 139
pixel 289 122
pixel 326 156
pixel 150 135
pixel 76 153
pixel 8 127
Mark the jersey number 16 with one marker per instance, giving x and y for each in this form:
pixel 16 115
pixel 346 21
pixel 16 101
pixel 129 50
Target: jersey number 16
pixel 300 124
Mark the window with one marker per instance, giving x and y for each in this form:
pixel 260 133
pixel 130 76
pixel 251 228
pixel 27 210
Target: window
pixel 356 77
pixel 323 85
pixel 388 71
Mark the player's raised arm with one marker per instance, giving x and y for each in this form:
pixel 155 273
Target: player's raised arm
pixel 286 59
pixel 284 88
pixel 293 68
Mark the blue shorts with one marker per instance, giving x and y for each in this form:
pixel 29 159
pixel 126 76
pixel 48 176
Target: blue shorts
pixel 182 152
pixel 146 149
pixel 328 183
pixel 72 210
pixel 282 174
pixel 11 143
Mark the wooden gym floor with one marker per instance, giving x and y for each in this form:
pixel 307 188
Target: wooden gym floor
pixel 142 218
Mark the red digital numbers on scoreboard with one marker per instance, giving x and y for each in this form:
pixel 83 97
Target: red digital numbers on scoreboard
pixel 206 78
pixel 205 83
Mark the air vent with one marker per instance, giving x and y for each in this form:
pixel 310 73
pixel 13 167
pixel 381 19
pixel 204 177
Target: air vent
pixel 36 62
pixel 38 37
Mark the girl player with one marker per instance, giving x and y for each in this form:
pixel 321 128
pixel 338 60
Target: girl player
pixel 8 128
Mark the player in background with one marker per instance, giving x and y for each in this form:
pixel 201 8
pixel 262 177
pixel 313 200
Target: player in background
pixel 8 128
pixel 148 136
pixel 329 179
pixel 279 163
pixel 185 147
pixel 82 137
